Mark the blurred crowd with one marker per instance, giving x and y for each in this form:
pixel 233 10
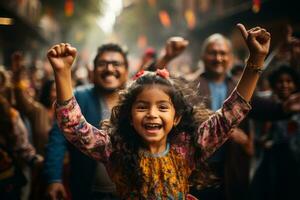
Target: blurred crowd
pixel 260 161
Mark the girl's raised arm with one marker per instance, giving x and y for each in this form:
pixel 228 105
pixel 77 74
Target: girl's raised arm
pixel 88 139
pixel 258 43
pixel 61 57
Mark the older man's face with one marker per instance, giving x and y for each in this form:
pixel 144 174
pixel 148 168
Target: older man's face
pixel 217 58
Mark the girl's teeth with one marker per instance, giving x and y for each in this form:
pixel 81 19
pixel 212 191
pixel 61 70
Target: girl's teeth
pixel 152 126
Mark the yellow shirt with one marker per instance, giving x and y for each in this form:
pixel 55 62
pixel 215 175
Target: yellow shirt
pixel 165 176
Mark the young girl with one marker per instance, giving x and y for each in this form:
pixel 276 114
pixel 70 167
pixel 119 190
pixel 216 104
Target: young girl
pixel 152 148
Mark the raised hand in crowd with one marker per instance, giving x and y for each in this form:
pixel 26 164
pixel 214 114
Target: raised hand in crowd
pixel 17 61
pixel 258 42
pixel 61 57
pixel 173 48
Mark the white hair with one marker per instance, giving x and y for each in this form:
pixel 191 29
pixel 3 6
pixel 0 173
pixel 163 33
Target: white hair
pixel 215 38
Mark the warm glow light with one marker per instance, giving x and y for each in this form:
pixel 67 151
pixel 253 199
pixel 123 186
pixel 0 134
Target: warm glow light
pixel 190 19
pixel 256 4
pixel 69 8
pixel 152 3
pixel 164 18
pixel 111 10
pixel 142 41
pixel 6 21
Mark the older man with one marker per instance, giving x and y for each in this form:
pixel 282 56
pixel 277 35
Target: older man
pixel 230 164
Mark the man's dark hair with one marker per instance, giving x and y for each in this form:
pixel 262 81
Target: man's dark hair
pixel 112 48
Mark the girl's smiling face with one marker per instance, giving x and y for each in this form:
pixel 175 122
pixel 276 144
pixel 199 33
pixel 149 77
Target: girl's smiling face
pixel 153 117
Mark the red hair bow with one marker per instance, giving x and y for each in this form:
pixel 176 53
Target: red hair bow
pixel 138 75
pixel 164 73
pixel 159 72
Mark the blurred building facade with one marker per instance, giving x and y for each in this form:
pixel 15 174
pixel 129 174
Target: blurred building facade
pixel 197 19
pixel 220 16
pixel 24 27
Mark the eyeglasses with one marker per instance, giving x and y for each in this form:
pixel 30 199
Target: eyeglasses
pixel 115 64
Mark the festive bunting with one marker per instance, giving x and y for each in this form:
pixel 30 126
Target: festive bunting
pixel 256 5
pixel 164 18
pixel 190 18
pixel 69 8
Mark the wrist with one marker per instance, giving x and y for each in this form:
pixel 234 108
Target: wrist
pixel 256 69
pixel 62 75
pixel 63 71
pixel 256 60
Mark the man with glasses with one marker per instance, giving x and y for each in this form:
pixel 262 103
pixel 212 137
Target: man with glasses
pixel 88 178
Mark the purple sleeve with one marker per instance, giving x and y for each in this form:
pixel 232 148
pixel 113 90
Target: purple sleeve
pixel 88 139
pixel 212 133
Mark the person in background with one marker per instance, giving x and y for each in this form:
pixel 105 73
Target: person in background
pixel 278 172
pixel 15 149
pixel 38 109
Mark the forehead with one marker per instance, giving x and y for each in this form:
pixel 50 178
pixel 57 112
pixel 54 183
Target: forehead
pixel 153 93
pixel 111 56
pixel 218 45
pixel 284 76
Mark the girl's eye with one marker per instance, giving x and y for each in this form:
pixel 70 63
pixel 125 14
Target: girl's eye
pixel 141 107
pixel 163 107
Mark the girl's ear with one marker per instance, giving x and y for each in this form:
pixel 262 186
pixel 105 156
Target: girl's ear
pixel 177 119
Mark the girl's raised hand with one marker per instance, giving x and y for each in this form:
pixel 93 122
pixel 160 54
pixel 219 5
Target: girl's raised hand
pixel 257 40
pixel 61 56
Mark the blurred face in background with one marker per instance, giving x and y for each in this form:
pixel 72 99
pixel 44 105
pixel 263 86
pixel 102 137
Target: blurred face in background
pixel 26 81
pixel 5 86
pixel 217 58
pixel 110 71
pixel 284 86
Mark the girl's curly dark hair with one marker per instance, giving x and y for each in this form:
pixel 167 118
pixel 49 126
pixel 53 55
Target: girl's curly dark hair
pixel 124 137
